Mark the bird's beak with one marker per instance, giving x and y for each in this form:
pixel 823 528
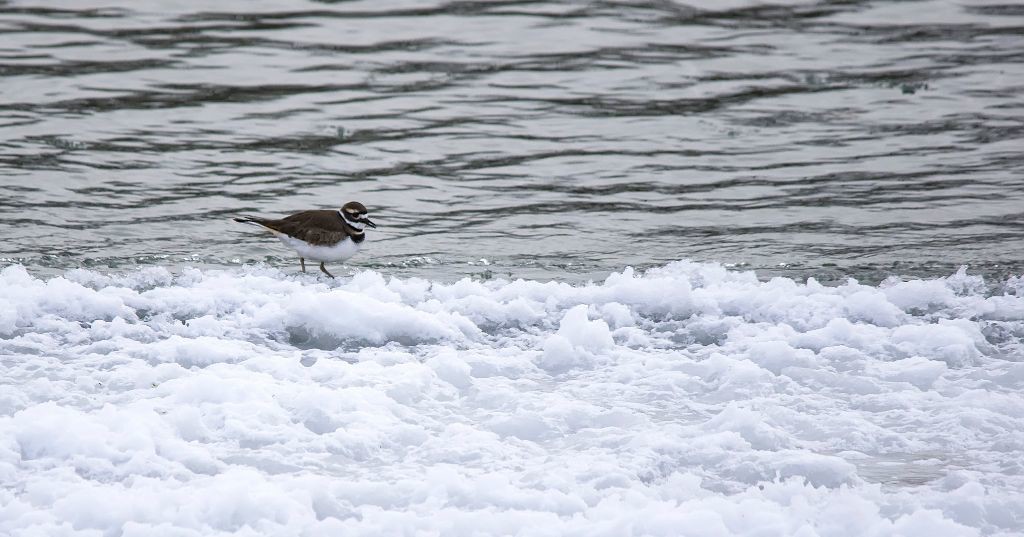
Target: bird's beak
pixel 368 222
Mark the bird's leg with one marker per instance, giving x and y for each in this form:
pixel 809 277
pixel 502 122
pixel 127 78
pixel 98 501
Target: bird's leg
pixel 302 262
pixel 324 269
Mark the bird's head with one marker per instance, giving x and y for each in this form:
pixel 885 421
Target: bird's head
pixel 354 214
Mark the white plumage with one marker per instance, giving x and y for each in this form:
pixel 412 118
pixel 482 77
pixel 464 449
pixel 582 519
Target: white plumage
pixel 337 252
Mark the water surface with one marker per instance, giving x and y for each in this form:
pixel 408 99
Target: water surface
pixel 553 140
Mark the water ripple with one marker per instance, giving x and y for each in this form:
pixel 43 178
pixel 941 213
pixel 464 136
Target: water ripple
pixel 556 140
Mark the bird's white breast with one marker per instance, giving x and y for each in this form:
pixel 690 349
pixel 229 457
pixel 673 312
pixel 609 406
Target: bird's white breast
pixel 338 252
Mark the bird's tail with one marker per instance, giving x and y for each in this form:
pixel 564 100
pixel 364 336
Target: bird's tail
pixel 264 223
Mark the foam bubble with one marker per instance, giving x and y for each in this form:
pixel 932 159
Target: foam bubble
pixel 687 400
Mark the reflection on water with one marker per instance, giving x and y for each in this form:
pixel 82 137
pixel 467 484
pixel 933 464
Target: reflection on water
pixel 555 140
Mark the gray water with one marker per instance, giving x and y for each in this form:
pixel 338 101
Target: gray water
pixel 553 140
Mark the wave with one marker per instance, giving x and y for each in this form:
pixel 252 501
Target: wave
pixel 685 396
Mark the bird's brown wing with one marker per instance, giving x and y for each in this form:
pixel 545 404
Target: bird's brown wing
pixel 318 227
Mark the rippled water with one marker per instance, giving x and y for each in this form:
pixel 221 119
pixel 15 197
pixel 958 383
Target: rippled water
pixel 552 139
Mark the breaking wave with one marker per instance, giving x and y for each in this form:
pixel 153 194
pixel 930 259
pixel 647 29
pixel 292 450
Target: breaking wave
pixel 686 400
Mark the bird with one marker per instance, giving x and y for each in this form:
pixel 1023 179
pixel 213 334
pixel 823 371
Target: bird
pixel 320 234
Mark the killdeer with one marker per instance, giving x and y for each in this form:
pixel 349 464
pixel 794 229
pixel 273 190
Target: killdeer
pixel 319 235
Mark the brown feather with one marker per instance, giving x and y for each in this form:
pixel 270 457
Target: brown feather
pixel 318 227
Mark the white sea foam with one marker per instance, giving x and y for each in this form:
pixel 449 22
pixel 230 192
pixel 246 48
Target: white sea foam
pixel 690 400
